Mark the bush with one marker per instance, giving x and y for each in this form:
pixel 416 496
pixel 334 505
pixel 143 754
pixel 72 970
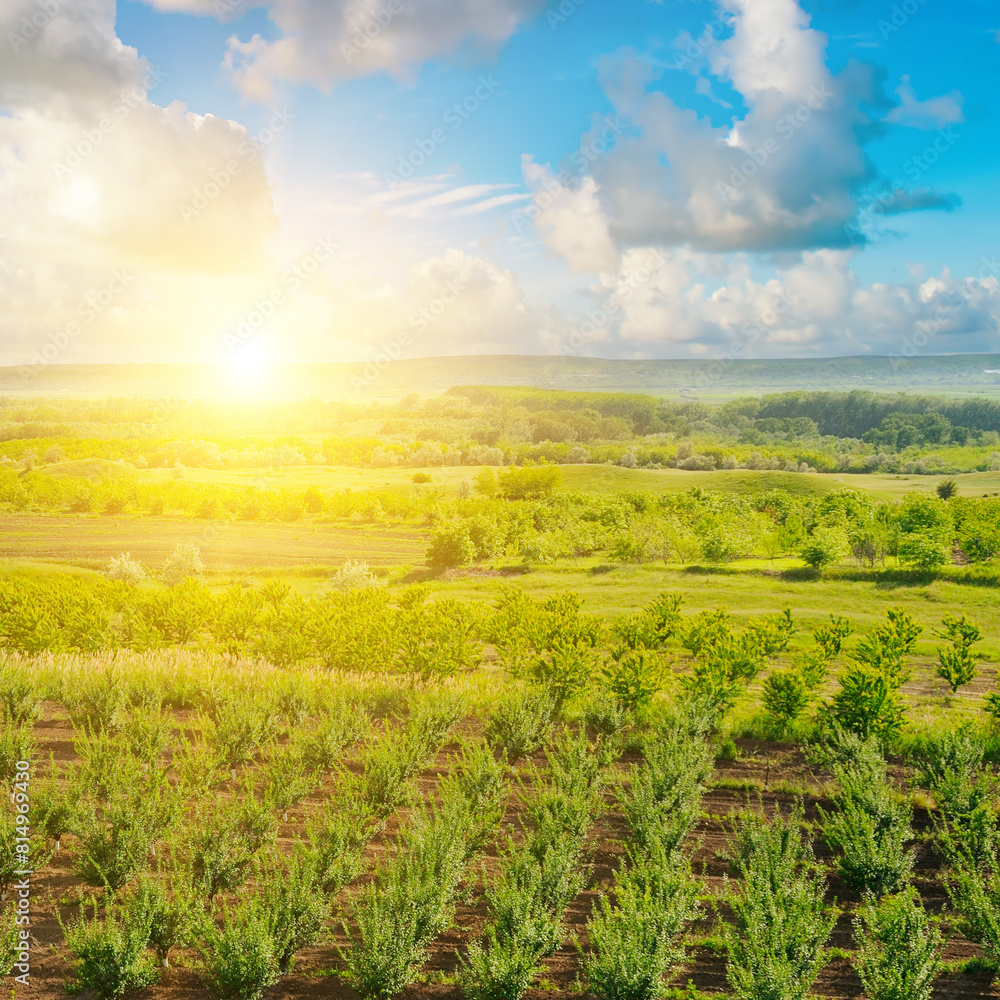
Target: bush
pixel 20 699
pixel 241 959
pixel 636 939
pixel 498 968
pixel 125 569
pixel 781 923
pixel 870 828
pixel 354 574
pixel 823 547
pixel 520 723
pixel 451 546
pixel 110 955
pixel 183 562
pixel 11 950
pixel 957 664
pixel 899 948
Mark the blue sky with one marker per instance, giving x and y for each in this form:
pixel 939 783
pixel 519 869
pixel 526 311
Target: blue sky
pixel 651 247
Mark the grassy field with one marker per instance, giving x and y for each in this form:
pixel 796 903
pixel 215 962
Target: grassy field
pixel 585 478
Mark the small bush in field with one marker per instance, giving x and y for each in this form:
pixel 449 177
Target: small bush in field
pixel 775 945
pixel 9 940
pixel 240 958
pixel 951 767
pixel 870 827
pixel 498 968
pixel 20 699
pixel 899 948
pixel 292 895
pixel 785 696
pixel 957 662
pixel 110 955
pixel 183 562
pixel 636 940
pixel 174 916
pixel 974 889
pixel 125 569
pixel 520 723
pixel 354 575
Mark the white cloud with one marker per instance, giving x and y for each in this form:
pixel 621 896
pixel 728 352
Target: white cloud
pixel 787 175
pixel 934 113
pixel 698 305
pixel 94 177
pixel 325 41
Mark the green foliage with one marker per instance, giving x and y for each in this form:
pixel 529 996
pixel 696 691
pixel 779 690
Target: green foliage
pixel 899 948
pixel 564 670
pixel 109 953
pixel 775 945
pixel 634 676
pixel 871 826
pixel 663 799
pixel 636 938
pixel 825 546
pixel 20 699
pixel 520 723
pixel 785 696
pixel 451 546
pixel 10 941
pixel 957 664
pixel 830 638
pixel 241 957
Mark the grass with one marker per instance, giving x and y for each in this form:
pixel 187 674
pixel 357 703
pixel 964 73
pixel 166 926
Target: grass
pixel 582 478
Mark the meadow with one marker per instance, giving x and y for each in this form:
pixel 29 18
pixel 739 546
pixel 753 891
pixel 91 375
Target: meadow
pixel 529 726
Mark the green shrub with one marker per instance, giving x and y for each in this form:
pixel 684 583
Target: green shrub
pixel 957 663
pixel 636 939
pixel 20 699
pixel 291 893
pixel 663 800
pixel 520 723
pixel 775 945
pixel 241 958
pixel 785 696
pixel 10 941
pixel 870 828
pixel 109 954
pixel 634 676
pixel 899 948
pixel 499 967
pixel 174 913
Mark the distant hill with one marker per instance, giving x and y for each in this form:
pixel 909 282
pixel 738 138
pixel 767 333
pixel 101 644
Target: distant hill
pixel 952 375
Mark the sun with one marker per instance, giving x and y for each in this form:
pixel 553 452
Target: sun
pixel 249 367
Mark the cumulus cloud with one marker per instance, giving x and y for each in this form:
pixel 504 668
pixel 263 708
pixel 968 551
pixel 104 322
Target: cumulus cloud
pixel 683 303
pixel 787 175
pixel 96 179
pixel 322 42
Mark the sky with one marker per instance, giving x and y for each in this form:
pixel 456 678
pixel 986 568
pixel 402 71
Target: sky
pixel 256 181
